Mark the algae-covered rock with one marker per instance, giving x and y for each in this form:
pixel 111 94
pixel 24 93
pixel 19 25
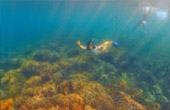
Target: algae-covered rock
pixel 46 90
pixel 82 67
pixel 35 102
pixel 150 97
pixel 30 68
pixel 113 56
pixel 33 81
pixel 33 68
pixel 1 73
pixel 73 53
pixel 88 58
pixel 80 76
pixel 13 81
pixel 57 78
pixel 77 107
pixel 122 101
pixel 31 91
pixel 120 85
pixel 6 104
pixel 69 100
pixel 162 99
pixel 49 89
pixel 88 107
pixel 9 64
pixel 156 90
pixel 96 96
pixel 154 106
pixel 65 87
pixel 11 76
pixel 74 85
pixel 46 56
pixel 2 94
pixel 78 81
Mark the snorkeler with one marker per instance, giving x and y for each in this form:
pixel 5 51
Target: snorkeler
pixel 97 49
pixel 169 11
pixel 143 22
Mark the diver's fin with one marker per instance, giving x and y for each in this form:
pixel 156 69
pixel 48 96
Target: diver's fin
pixel 115 43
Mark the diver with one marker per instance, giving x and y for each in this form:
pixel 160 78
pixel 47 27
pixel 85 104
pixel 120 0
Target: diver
pixel 143 22
pixel 97 49
pixel 169 11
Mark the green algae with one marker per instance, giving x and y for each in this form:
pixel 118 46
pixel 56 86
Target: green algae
pixel 46 74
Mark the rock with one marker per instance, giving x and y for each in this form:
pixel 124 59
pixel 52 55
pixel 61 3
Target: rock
pixel 6 104
pixel 123 101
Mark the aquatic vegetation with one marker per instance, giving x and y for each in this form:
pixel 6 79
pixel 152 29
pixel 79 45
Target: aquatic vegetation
pixel 104 77
pixel 88 107
pixel 1 73
pixel 104 73
pixel 6 104
pixel 70 100
pixel 150 97
pixel 13 81
pixel 137 94
pixel 120 85
pixel 156 90
pixel 96 95
pixel 113 56
pixel 74 65
pixel 3 94
pixel 80 76
pixel 158 94
pixel 30 68
pixel 154 106
pixel 65 87
pixel 80 81
pixel 53 46
pixel 57 78
pixel 46 56
pixel 82 67
pixel 33 68
pixel 73 53
pixel 49 89
pixel 162 99
pixel 77 107
pixel 34 103
pixel 88 58
pixel 33 81
pixel 62 65
pixel 8 64
pixel 32 91
pixel 46 90
pixel 122 101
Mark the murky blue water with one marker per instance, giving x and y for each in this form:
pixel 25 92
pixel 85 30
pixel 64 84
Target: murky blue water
pixel 28 21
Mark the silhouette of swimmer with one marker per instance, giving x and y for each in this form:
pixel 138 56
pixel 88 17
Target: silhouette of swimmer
pixel 143 22
pixel 169 11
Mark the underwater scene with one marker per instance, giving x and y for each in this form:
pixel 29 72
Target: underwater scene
pixel 84 55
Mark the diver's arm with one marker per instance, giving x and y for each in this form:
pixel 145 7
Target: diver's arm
pixel 81 46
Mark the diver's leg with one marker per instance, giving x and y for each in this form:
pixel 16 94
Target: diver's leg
pixel 134 28
pixel 144 26
pixel 105 45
